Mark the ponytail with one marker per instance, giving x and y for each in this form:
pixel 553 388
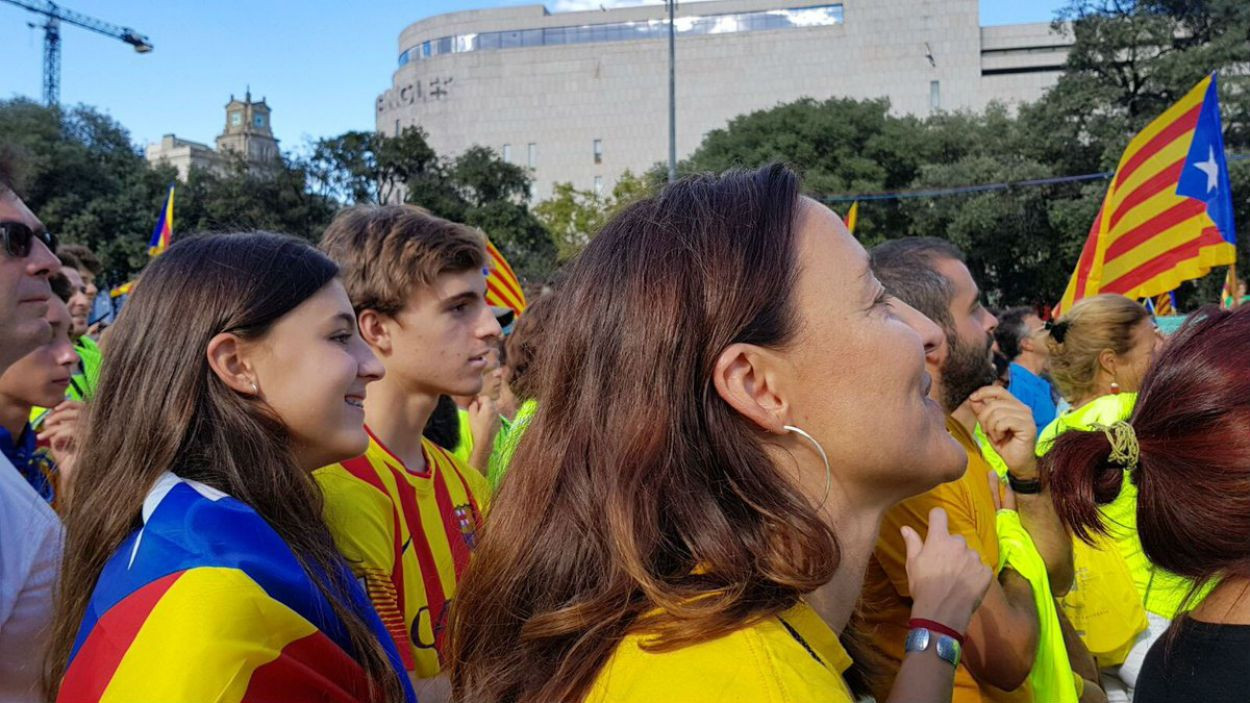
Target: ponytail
pixel 1082 477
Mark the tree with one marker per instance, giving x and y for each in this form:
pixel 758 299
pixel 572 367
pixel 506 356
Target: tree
pixel 573 217
pixel 85 180
pixel 243 198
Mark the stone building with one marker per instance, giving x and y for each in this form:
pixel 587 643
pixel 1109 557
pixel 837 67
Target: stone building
pixel 247 133
pixel 582 96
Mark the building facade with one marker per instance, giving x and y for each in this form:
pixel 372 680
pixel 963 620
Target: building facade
pixel 583 96
pixel 247 133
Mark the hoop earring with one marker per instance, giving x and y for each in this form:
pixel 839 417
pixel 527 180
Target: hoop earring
pixel 823 457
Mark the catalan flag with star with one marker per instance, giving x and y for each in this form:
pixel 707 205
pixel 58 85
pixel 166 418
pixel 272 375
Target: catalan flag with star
pixel 1168 215
pixel 205 602
pixel 502 287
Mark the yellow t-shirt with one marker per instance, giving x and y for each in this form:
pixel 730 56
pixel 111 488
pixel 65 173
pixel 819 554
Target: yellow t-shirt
pixel 793 657
pixel 408 535
pixel 886 601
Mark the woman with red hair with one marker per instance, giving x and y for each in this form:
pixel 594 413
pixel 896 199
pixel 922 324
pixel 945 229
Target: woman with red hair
pixel 1187 448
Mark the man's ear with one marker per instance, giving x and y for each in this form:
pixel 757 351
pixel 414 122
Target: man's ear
pixel 227 358
pixel 374 330
pixel 745 377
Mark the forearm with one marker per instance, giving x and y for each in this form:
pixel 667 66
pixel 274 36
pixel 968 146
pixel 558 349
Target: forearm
pixel 479 458
pixel 1002 639
pixel 1079 658
pixel 1053 542
pixel 923 678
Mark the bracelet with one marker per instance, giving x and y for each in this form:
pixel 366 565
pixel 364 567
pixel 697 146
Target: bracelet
pixel 1019 485
pixel 937 627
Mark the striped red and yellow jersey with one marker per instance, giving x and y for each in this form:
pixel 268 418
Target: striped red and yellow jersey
pixel 407 536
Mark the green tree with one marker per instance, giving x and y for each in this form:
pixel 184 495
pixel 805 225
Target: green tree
pixel 573 217
pixel 85 179
pixel 237 197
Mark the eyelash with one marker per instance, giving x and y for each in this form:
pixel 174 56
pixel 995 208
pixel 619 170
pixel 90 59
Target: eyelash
pixel 883 298
pixel 342 338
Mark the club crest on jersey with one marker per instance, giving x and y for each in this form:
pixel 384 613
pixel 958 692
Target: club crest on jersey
pixel 467 523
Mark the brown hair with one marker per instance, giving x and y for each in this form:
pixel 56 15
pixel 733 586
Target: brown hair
pixel 83 258
pixel 1090 327
pixel 529 335
pixel 637 490
pixel 385 251
pixel 181 417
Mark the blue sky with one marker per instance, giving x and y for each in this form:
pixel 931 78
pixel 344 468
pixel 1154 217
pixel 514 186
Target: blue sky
pixel 319 63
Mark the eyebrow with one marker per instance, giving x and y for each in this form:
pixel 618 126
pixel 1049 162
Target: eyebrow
pixel 467 296
pixel 350 320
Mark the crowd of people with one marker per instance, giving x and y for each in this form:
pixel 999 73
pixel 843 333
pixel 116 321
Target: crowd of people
pixel 732 456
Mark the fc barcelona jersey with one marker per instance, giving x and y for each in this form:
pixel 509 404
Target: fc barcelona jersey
pixel 407 535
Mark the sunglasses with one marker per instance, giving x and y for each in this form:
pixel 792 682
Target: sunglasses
pixel 18 239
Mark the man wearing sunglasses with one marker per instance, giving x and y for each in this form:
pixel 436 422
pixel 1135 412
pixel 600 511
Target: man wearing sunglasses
pixel 30 533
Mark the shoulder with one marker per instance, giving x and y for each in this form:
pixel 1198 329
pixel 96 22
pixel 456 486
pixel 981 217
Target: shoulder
pixel 455 471
pixel 31 530
pixel 763 662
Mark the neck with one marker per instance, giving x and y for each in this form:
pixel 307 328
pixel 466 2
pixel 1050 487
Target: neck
pixel 856 528
pixel 1031 361
pixel 464 401
pixel 13 416
pixel 1228 604
pixel 397 417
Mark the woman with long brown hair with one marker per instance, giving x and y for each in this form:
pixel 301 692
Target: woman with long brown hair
pixel 1186 449
pixel 728 403
pixel 197 566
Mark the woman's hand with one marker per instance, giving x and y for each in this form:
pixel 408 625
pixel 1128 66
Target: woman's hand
pixel 947 579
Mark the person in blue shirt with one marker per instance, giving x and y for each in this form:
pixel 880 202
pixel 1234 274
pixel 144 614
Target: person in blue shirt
pixel 1021 338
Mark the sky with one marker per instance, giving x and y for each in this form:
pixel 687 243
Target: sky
pixel 320 64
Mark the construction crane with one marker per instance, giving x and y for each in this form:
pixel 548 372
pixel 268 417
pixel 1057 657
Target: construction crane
pixel 54 15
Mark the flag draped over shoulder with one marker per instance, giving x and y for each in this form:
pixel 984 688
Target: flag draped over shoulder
pixel 207 603
pixel 1167 216
pixel 502 287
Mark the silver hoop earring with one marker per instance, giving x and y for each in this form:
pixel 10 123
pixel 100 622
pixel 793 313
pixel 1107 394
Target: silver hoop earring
pixel 823 457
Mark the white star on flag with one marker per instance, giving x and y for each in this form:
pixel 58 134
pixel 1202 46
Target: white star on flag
pixel 1211 168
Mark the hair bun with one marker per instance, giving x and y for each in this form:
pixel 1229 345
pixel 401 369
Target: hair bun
pixel 1057 330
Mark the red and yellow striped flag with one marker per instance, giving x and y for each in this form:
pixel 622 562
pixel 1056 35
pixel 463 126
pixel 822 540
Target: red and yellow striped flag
pixel 502 287
pixel 1167 216
pixel 852 217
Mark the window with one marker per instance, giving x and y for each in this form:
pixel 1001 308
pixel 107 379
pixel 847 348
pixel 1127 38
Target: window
pixel 507 153
pixel 396 128
pixel 236 119
pixel 259 120
pixel 598 185
pixel 531 156
pixel 723 23
pixel 935 95
pixel 598 148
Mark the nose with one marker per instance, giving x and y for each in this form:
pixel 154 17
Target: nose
pixel 930 334
pixel 41 261
pixel 488 327
pixel 66 356
pixel 367 365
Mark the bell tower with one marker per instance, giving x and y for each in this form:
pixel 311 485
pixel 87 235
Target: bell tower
pixel 248 132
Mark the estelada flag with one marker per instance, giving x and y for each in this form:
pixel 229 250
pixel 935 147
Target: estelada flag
pixel 205 602
pixel 1168 215
pixel 852 217
pixel 164 231
pixel 502 287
